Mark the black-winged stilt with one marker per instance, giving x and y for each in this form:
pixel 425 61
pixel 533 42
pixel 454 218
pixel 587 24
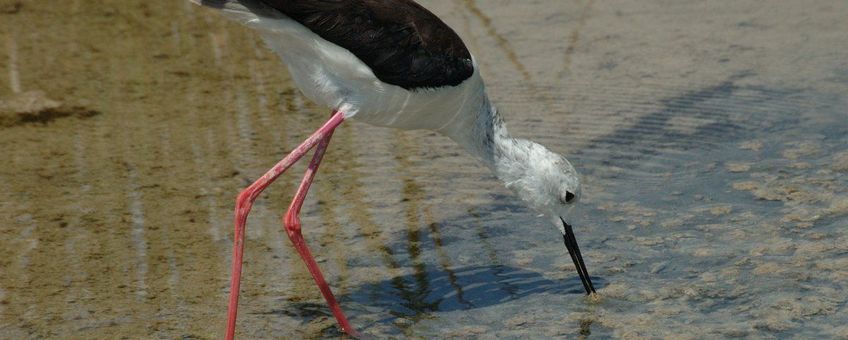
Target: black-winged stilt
pixel 391 63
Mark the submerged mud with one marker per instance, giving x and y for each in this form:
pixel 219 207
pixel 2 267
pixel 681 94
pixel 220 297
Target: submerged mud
pixel 711 142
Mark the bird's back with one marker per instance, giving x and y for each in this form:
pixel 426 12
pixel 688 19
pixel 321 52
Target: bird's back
pixel 402 42
pixel 385 62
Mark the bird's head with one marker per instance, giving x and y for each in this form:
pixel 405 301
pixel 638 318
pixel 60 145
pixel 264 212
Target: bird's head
pixel 548 184
pixel 544 180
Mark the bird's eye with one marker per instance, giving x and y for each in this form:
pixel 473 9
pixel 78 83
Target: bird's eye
pixel 569 196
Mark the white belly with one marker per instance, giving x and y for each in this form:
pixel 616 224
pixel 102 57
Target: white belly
pixel 332 76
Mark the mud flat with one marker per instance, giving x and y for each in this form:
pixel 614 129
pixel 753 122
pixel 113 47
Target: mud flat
pixel 711 138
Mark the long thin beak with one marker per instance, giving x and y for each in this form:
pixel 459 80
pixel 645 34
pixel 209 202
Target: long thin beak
pixel 574 251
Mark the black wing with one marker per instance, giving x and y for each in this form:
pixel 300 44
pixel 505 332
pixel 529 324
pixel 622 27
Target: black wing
pixel 403 43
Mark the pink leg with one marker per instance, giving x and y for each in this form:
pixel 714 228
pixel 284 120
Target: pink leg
pixel 245 201
pixel 292 226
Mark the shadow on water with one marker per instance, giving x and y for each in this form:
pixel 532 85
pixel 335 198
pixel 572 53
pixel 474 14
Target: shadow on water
pixel 418 295
pixel 699 119
pixel 471 287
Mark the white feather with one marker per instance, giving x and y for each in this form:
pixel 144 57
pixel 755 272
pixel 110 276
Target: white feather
pixel 334 77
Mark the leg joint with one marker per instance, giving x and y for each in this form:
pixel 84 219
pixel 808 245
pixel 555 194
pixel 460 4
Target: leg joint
pixel 291 221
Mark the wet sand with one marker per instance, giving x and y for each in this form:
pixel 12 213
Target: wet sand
pixel 712 139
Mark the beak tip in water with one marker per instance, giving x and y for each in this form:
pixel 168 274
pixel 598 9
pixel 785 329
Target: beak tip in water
pixel 574 251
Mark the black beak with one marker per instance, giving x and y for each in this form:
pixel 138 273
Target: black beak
pixel 574 251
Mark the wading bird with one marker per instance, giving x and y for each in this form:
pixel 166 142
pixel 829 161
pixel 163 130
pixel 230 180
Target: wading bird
pixel 391 63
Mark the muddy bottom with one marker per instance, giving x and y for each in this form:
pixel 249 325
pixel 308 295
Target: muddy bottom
pixel 712 142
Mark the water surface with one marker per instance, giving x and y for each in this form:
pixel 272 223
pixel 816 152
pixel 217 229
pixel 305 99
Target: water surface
pixel 711 140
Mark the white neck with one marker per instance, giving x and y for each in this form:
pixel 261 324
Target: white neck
pixel 483 134
pixel 539 177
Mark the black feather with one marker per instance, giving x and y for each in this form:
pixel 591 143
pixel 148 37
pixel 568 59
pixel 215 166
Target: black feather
pixel 402 42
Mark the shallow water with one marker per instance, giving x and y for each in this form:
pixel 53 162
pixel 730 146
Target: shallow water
pixel 711 138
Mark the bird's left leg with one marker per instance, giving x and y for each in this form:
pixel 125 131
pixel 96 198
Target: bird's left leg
pixel 291 223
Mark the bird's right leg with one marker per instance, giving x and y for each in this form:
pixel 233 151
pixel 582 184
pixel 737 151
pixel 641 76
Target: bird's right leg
pixel 291 223
pixel 245 201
